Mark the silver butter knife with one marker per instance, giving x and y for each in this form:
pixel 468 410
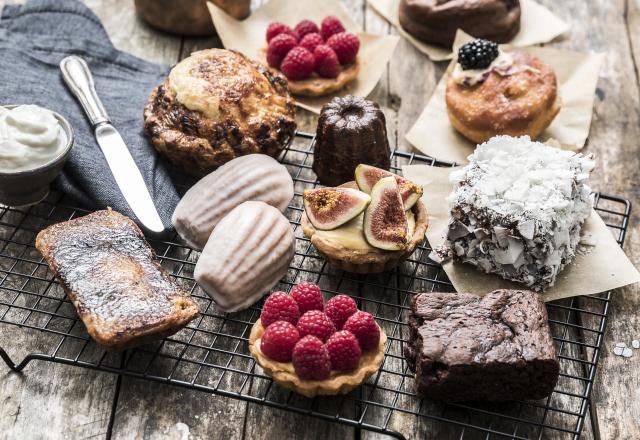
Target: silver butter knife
pixel 77 76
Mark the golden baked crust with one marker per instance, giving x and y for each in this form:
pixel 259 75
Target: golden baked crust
pixel 316 86
pixel 366 261
pixel 123 295
pixel 217 105
pixel 524 102
pixel 338 383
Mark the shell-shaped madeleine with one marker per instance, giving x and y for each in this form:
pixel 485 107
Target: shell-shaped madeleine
pixel 253 177
pixel 248 252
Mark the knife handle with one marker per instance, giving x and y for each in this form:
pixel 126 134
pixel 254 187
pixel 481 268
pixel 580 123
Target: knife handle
pixel 77 76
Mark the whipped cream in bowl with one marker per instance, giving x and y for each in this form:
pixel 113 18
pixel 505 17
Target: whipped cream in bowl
pixel 34 145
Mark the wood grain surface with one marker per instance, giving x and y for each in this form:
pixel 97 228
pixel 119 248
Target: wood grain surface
pixel 54 401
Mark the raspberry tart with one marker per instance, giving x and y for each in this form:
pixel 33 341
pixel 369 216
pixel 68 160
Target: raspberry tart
pixel 315 348
pixel 316 60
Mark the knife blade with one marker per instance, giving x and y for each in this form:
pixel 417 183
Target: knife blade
pixel 77 76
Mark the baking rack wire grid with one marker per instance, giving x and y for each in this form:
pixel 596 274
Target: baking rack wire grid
pixel 211 354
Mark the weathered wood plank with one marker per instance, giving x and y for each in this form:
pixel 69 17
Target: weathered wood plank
pixel 77 401
pixel 610 26
pixel 601 26
pixel 131 34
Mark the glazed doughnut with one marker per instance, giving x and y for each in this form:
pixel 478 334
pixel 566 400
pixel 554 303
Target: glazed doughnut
pixel 522 101
pixel 436 21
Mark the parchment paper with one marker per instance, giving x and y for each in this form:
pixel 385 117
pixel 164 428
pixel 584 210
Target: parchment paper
pixel 248 37
pixel 605 267
pixel 537 25
pixel 577 75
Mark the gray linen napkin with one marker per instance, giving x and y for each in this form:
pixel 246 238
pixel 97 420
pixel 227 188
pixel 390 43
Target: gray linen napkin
pixel 34 37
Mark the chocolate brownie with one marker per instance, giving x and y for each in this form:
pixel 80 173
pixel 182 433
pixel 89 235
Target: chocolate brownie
pixel 493 348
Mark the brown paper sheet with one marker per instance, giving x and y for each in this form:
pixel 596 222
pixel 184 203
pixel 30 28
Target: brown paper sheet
pixel 537 25
pixel 577 75
pixel 248 37
pixel 603 268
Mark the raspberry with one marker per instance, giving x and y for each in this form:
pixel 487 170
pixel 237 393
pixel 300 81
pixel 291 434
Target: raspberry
pixel 339 308
pixel 364 327
pixel 306 27
pixel 345 45
pixel 311 359
pixel 278 341
pixel 344 351
pixel 298 64
pixel 279 47
pixel 327 64
pixel 310 41
pixel 277 28
pixel 316 323
pixel 308 296
pixel 279 307
pixel 329 26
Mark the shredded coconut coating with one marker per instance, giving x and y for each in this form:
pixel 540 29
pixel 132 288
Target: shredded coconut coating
pixel 517 209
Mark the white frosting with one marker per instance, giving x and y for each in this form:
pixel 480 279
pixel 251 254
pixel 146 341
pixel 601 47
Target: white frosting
pixel 471 77
pixel 30 136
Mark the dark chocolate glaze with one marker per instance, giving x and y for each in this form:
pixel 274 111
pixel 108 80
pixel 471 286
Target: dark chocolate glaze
pixel 351 131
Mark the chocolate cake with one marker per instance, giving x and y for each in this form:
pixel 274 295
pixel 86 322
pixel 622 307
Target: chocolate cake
pixel 436 21
pixel 517 210
pixel 351 131
pixel 495 348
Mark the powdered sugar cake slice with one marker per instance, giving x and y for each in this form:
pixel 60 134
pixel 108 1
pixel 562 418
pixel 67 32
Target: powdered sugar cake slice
pixel 517 209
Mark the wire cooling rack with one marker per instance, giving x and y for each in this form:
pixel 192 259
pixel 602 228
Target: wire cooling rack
pixel 211 354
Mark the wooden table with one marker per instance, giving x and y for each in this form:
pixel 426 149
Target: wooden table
pixel 52 401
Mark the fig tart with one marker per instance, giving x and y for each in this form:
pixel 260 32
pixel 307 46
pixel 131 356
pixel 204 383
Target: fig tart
pixel 367 226
pixel 313 347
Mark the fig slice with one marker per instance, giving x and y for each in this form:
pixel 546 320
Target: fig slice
pixel 328 208
pixel 385 220
pixel 367 176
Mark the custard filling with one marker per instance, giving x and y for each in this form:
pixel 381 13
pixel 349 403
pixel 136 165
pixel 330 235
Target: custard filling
pixel 351 234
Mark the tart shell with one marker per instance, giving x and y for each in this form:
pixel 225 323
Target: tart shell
pixel 316 86
pixel 338 383
pixel 366 261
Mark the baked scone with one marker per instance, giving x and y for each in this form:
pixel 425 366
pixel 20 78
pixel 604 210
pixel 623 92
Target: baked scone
pixel 256 177
pixel 315 348
pixel 436 21
pixel 351 131
pixel 516 94
pixel 347 247
pixel 493 348
pixel 217 105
